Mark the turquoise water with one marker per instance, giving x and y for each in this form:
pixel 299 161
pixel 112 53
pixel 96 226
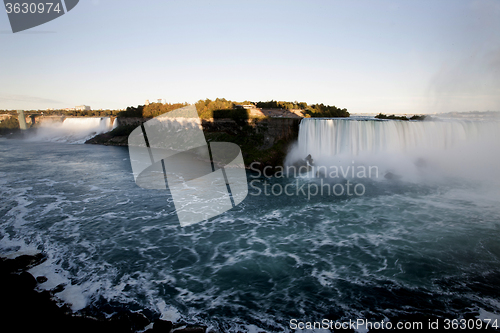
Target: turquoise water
pixel 402 249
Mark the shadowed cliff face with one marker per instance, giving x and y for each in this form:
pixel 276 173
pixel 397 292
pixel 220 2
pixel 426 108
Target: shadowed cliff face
pixel 270 130
pixel 265 141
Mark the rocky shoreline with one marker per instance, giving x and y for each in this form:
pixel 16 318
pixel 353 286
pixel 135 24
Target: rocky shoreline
pixel 29 310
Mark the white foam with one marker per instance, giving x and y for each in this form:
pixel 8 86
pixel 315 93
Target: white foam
pixel 18 212
pixel 55 276
pixel 75 296
pixel 253 329
pixel 168 312
pixel 361 329
pixel 13 248
pixel 485 315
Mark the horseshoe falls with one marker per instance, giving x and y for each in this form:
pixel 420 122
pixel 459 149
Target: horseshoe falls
pixel 409 149
pixel 417 239
pixel 336 136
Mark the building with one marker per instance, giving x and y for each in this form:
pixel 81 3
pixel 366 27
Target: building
pixel 82 108
pixel 159 100
pixel 147 102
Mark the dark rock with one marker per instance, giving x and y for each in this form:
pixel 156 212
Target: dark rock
pixel 121 323
pixel 139 320
pixel 418 117
pixel 128 322
pixel 41 279
pixel 391 176
pixel 31 311
pixel 21 263
pixel 309 159
pixel 58 288
pixel 162 326
pixel 27 281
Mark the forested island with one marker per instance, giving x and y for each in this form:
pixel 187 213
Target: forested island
pixel 220 108
pixel 262 129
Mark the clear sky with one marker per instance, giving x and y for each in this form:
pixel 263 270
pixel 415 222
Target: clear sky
pixel 367 56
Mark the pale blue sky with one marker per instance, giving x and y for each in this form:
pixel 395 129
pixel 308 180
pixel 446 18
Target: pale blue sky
pixel 366 56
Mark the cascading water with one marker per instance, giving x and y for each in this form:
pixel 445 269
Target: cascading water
pixel 328 137
pixel 115 124
pixel 451 146
pixel 72 130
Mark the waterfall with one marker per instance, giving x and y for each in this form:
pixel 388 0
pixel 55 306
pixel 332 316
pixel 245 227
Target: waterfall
pixel 454 146
pixel 115 123
pixel 329 137
pixel 90 124
pixel 72 130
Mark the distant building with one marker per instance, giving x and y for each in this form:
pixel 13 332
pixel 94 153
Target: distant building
pixel 82 108
pixel 147 102
pixel 159 100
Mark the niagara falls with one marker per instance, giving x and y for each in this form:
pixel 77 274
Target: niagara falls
pixel 419 237
pixel 250 166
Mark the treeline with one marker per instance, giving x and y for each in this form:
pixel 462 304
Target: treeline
pixel 150 111
pixel 132 112
pixel 221 107
pixel 89 113
pixel 207 107
pixel 393 117
pixel 282 105
pixel 326 111
pixel 155 109
pixel 67 113
pixel 312 110
pixel 8 125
